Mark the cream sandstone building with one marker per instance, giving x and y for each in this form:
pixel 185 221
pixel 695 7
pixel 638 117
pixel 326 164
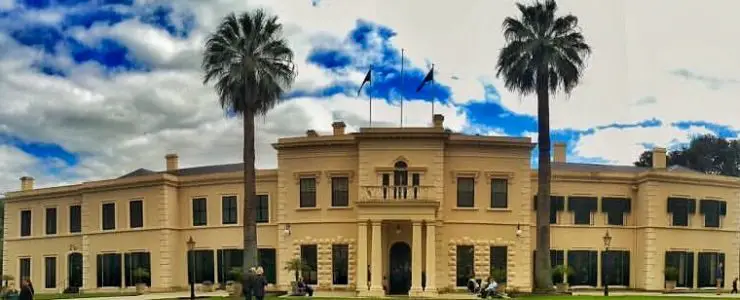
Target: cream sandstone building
pixel 408 210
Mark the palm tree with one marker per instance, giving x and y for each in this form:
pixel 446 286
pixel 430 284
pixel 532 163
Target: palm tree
pixel 543 54
pixel 252 66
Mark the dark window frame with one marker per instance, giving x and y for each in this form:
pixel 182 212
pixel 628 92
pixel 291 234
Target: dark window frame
pixel 590 257
pixel 465 192
pixel 681 210
pixel 132 261
pixel 707 274
pixel 50 272
pixel 463 272
pixel 499 199
pixel 229 210
pixel 25 268
pixel 26 228
pixel 583 208
pixel 263 208
pixel 686 278
pixel 498 258
pixel 199 211
pixel 307 187
pixel 557 204
pixel 108 222
pixel 617 263
pixel 51 225
pixel 109 261
pixel 136 215
pixel 713 211
pixel 340 191
pixel 340 264
pixel 310 257
pixel 75 218
pixel 615 209
pixel 203 271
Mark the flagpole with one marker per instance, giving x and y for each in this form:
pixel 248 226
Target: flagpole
pixel 433 99
pixel 370 95
pixel 402 87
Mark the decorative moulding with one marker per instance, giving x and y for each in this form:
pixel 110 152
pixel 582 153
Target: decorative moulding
pixel 410 169
pixel 307 174
pixel 340 173
pixel 498 175
pixel 456 174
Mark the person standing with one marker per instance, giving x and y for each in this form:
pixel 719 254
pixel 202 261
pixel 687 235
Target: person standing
pixel 259 284
pixel 26 290
pixel 720 275
pixel 734 286
pixel 248 284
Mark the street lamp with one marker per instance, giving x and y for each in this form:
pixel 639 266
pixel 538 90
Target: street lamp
pixel 607 241
pixel 191 246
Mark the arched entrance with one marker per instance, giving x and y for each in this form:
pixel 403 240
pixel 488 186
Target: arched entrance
pixel 74 270
pixel 399 281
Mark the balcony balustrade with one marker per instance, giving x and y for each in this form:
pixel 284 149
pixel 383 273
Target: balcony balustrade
pixel 394 193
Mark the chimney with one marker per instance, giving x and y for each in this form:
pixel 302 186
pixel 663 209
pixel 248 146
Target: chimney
pixel 311 133
pixel 659 161
pixel 26 183
pixel 172 162
pixel 338 127
pixel 558 152
pixel 438 120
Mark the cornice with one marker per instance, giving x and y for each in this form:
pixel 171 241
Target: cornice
pixel 689 179
pixel 323 141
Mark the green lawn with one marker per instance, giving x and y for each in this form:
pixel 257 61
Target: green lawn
pixel 527 298
pixel 70 296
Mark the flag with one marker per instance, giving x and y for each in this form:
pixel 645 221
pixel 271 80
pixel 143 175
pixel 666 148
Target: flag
pixel 428 78
pixel 367 79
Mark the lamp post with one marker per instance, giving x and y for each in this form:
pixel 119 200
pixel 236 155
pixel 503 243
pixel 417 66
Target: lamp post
pixel 607 241
pixel 191 246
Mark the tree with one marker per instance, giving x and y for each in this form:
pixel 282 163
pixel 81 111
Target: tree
pixel 543 54
pixel 704 153
pixel 252 66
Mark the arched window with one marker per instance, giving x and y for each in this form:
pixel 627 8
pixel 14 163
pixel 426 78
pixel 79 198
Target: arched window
pixel 400 180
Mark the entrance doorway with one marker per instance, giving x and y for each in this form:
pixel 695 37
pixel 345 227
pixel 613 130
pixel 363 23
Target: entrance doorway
pixel 399 280
pixel 74 270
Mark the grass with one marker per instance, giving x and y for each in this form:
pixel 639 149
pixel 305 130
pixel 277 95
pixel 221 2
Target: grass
pixel 527 298
pixel 73 296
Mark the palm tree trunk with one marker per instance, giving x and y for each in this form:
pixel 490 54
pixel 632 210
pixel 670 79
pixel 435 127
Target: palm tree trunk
pixel 250 187
pixel 543 278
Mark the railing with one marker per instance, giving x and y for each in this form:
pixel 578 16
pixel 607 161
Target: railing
pixel 390 192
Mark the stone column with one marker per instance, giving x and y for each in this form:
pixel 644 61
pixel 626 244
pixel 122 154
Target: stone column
pixel 362 258
pixel 431 282
pixel 376 262
pixel 416 261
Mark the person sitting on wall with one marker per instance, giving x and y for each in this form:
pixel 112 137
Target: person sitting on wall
pixel 473 285
pixel 490 289
pixel 303 286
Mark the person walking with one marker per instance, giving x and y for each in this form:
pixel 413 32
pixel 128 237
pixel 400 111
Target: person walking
pixel 26 290
pixel 259 284
pixel 720 275
pixel 734 286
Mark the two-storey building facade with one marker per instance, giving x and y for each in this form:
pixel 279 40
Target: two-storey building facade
pixel 413 211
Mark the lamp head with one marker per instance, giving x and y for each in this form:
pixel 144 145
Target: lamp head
pixel 190 243
pixel 286 231
pixel 607 239
pixel 518 230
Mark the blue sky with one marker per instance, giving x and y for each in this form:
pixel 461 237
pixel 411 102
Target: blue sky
pixel 94 91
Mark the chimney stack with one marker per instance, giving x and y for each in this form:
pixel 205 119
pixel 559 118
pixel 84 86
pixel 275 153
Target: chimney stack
pixel 338 127
pixel 559 151
pixel 659 159
pixel 172 162
pixel 438 120
pixel 26 183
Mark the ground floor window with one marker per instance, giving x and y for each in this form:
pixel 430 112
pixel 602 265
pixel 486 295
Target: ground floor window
pixel 557 258
pixel 497 259
pixel 584 264
pixel 229 261
pixel 24 266
pixel 109 270
pixel 267 258
pixel 201 264
pixel 465 259
pixel 340 264
pixel 50 272
pixel 137 268
pixel 309 256
pixel 683 262
pixel 74 269
pixel 711 267
pixel 615 267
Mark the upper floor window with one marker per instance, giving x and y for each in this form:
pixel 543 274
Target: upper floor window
pixel 25 223
pixel 465 192
pixel 680 209
pixel 228 210
pixel 499 193
pixel 263 209
pixel 109 216
pixel 200 212
pixel 557 203
pixel 51 220
pixel 712 211
pixel 615 209
pixel 75 218
pixel 136 214
pixel 582 208
pixel 308 192
pixel 340 191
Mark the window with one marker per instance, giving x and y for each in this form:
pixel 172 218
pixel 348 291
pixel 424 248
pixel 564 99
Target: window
pixel 499 193
pixel 615 208
pixel 75 218
pixel 109 216
pixel 310 260
pixel 340 191
pixel 582 208
pixel 51 220
pixel 615 267
pixel 267 258
pixel 497 259
pixel 25 223
pixel 680 209
pixel 24 265
pixel 464 267
pixel 109 270
pixel 228 210
pixel 308 192
pixel 74 269
pixel 136 214
pixel 416 182
pixel 200 213
pixel 683 262
pixel 340 264
pixel 400 180
pixel 263 209
pixel 557 203
pixel 227 260
pixel 386 183
pixel 584 265
pixel 50 272
pixel 465 192
pixel 203 265
pixel 133 261
pixel 711 268
pixel 713 210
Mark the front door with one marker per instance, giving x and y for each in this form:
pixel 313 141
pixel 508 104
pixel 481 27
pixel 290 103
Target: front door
pixel 74 270
pixel 399 280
